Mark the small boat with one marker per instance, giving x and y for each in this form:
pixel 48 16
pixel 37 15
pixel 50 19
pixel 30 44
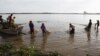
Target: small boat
pixel 12 31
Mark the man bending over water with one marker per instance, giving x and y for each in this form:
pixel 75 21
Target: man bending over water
pixel 43 28
pixel 71 29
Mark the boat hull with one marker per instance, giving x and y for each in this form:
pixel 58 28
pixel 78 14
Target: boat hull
pixel 12 31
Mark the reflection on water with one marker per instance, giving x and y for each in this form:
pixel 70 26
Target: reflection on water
pixel 71 38
pixel 44 41
pixel 32 38
pixel 88 35
pixel 15 40
pixel 97 31
pixel 96 34
pixel 57 25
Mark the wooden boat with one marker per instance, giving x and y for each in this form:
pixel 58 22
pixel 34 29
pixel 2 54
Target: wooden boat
pixel 12 31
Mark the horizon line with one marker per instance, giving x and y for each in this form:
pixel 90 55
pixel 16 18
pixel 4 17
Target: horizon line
pixel 44 13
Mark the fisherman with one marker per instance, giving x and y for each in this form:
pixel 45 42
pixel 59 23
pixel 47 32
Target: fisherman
pixel 89 25
pixel 9 19
pixel 43 28
pixel 71 29
pixel 1 20
pixel 31 26
pixel 13 23
pixel 97 24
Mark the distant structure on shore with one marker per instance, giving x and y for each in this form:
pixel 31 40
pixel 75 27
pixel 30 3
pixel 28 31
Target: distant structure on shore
pixel 85 12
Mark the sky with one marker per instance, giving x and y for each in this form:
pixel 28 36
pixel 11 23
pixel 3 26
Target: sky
pixel 60 6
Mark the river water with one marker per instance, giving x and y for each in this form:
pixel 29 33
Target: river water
pixel 79 44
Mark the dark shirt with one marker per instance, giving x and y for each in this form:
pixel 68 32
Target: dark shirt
pixel 98 22
pixel 1 20
pixel 72 29
pixel 89 25
pixel 31 25
pixel 9 18
pixel 43 28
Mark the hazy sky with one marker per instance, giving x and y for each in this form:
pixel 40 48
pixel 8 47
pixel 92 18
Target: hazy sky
pixel 49 5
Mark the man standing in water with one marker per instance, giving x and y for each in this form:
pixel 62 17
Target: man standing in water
pixel 97 24
pixel 43 28
pixel 31 26
pixel 89 25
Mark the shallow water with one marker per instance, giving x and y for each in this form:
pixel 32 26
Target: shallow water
pixel 79 44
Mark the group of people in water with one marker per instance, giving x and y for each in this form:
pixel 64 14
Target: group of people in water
pixel 88 28
pixel 71 27
pixel 9 22
pixel 31 26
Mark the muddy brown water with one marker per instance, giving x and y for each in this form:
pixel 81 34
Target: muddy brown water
pixel 79 44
